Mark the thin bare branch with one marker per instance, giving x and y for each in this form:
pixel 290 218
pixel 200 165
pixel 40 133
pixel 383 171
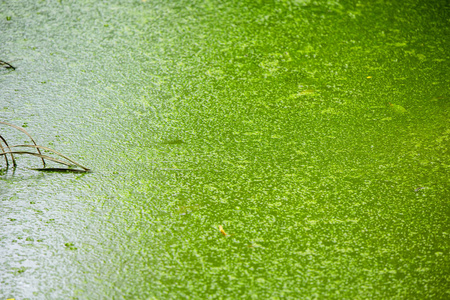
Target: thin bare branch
pixel 6 64
pixel 54 151
pixel 39 155
pixel 7 146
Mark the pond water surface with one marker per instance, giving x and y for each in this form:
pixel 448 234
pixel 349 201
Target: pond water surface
pixel 315 133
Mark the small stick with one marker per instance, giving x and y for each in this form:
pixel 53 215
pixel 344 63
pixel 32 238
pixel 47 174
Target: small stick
pixel 38 155
pixel 8 65
pixel 54 151
pixel 60 170
pixel 3 150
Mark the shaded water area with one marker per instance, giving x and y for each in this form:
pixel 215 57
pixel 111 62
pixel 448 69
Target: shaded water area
pixel 316 133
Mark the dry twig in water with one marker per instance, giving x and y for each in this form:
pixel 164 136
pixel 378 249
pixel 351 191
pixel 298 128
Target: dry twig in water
pixel 6 65
pixel 64 160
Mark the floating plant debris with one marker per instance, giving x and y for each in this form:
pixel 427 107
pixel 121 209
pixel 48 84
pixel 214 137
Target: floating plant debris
pixel 222 231
pixel 6 150
pixel 6 65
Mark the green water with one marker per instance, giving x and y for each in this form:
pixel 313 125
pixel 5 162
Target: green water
pixel 316 133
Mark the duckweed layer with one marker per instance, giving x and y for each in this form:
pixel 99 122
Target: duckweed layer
pixel 315 133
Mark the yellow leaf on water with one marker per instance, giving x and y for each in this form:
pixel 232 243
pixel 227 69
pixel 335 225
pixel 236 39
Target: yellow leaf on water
pixel 222 231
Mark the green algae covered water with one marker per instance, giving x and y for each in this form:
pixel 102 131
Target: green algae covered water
pixel 241 149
